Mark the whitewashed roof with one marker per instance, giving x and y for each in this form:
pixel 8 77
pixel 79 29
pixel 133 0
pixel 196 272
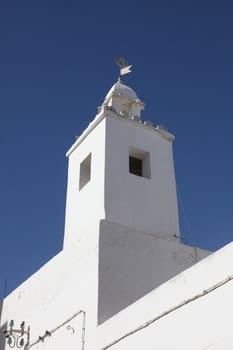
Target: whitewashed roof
pixel 121 89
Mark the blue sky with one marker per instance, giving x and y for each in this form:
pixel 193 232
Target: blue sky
pixel 57 64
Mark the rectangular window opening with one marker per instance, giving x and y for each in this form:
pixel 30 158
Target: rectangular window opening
pixel 139 162
pixel 85 172
pixel 135 166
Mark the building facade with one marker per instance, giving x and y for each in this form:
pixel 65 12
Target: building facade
pixel 123 279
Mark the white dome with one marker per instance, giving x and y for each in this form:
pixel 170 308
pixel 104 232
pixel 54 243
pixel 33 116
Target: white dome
pixel 122 90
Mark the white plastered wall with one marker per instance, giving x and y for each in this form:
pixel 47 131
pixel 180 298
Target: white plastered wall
pixel 85 207
pixel 203 320
pixel 137 202
pixel 53 295
pixel 132 263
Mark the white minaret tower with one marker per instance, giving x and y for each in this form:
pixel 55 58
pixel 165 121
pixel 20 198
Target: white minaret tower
pixel 121 170
pixel 121 198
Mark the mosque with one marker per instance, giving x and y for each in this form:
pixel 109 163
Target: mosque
pixel 124 280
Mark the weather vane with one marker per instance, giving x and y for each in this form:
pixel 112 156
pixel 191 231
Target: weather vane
pixel 125 68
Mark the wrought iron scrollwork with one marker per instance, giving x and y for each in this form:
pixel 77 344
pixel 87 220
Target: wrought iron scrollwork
pixel 17 338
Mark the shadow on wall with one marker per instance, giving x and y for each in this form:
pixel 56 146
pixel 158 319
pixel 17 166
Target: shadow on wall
pixel 3 326
pixel 133 263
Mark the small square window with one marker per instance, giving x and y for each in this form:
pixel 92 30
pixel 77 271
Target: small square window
pixel 135 166
pixel 139 162
pixel 85 172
